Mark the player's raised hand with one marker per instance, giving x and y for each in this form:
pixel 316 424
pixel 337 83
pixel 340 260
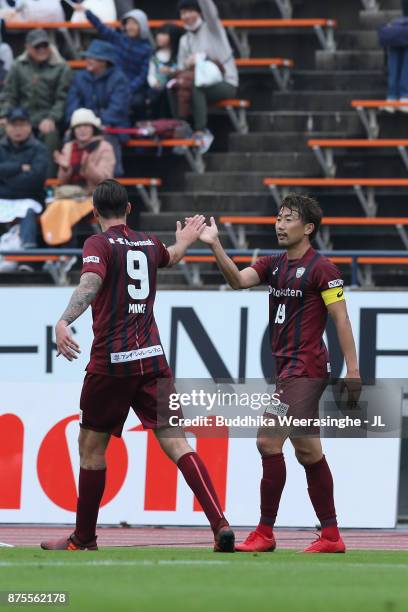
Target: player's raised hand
pixel 191 231
pixel 209 234
pixel 66 345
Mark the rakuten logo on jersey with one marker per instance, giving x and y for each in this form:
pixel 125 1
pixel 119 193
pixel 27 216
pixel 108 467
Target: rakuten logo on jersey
pixel 285 292
pixel 335 283
pixel 91 259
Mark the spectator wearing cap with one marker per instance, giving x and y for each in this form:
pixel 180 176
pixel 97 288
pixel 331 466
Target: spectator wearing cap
pixel 104 89
pixel 206 34
pixel 23 169
pixel 86 160
pixel 38 81
pixel 133 48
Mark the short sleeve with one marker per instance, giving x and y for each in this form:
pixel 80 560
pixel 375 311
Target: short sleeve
pixel 328 282
pixel 262 267
pixel 164 255
pixel 96 255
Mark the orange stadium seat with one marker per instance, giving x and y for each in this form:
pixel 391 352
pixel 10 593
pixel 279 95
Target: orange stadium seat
pixel 323 149
pixel 147 188
pixel 364 188
pixel 238 235
pixel 368 110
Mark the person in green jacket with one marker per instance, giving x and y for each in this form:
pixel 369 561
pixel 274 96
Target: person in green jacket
pixel 38 82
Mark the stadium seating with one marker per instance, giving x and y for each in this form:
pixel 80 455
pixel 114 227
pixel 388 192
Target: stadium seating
pixel 236 227
pixel 237 28
pixel 147 188
pixel 364 188
pixel 323 150
pixel 368 110
pixel 278 66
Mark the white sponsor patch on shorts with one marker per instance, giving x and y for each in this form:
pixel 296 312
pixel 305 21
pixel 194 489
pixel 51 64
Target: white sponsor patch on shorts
pixel 143 353
pixel 91 259
pixel 80 416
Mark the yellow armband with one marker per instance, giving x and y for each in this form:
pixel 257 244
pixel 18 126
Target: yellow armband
pixel 336 294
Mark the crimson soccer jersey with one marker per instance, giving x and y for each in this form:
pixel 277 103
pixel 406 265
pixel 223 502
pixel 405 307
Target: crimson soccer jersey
pixel 299 291
pixel 126 338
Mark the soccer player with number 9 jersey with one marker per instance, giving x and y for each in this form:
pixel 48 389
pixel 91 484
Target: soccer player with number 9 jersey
pixel 128 367
pixel 304 287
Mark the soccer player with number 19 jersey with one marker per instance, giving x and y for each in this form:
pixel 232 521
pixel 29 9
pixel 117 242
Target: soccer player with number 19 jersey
pixel 304 287
pixel 128 367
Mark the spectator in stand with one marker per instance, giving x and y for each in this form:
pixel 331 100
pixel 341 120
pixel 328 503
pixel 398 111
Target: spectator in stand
pixel 104 89
pixel 38 82
pixel 133 50
pixel 6 55
pixel 394 38
pixel 85 160
pixel 104 9
pixel 23 169
pixel 162 67
pixel 206 34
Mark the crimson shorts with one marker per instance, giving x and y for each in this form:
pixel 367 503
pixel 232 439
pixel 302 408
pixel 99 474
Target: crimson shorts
pixel 106 401
pixel 299 398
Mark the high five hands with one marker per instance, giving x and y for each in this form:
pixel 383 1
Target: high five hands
pixel 209 233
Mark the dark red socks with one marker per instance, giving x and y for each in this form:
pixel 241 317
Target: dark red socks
pixel 320 488
pixel 90 490
pixel 199 481
pixel 272 484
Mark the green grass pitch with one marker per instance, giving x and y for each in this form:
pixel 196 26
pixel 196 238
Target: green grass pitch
pixel 189 580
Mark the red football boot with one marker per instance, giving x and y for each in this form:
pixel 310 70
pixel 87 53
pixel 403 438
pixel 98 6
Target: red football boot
pixel 257 542
pixel 70 543
pixel 224 540
pixel 322 545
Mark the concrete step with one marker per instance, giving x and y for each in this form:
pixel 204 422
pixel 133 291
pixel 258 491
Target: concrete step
pixel 300 121
pixel 234 181
pixel 357 39
pixel 208 202
pixel 166 221
pixel 276 141
pixel 261 162
pixel 350 60
pixel 370 20
pixel 320 100
pixel 340 80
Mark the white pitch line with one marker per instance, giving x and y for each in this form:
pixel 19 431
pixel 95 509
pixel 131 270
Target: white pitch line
pixel 168 562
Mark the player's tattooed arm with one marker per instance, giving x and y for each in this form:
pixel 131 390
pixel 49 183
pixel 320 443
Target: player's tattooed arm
pixel 185 237
pixel 82 297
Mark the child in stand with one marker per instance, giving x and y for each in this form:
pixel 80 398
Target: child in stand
pixel 162 67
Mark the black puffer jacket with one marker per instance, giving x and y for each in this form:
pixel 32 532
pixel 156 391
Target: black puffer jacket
pixel 16 184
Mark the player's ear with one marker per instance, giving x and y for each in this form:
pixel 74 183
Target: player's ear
pixel 128 208
pixel 96 213
pixel 309 227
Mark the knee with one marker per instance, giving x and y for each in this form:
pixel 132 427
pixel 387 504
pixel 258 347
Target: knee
pixel 91 457
pixel 306 455
pixel 268 446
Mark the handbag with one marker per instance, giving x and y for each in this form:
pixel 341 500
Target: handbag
pixel 206 72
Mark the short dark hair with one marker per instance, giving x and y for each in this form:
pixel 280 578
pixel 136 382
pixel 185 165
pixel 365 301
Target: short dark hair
pixel 307 208
pixel 110 199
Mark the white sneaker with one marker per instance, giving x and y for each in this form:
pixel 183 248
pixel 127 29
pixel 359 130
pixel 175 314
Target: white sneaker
pixel 11 241
pixel 206 138
pixel 389 109
pixel 404 109
pixel 8 266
